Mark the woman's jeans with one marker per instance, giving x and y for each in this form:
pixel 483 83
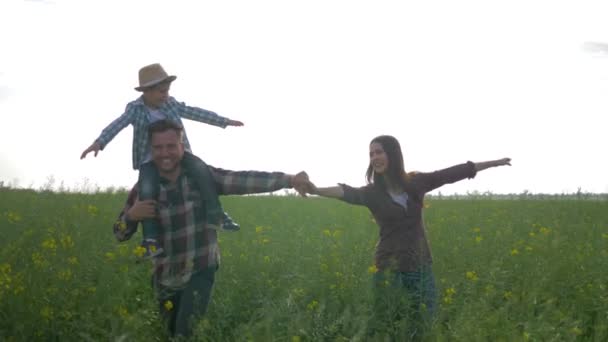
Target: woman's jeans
pixel 405 295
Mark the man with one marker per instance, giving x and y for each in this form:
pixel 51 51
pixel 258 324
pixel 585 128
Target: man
pixel 184 273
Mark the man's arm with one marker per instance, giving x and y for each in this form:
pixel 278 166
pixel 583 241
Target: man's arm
pixel 253 182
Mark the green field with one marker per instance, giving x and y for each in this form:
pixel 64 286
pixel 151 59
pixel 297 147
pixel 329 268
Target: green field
pixel 300 270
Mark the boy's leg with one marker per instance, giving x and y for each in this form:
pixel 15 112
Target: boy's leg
pixel 149 183
pixel 199 171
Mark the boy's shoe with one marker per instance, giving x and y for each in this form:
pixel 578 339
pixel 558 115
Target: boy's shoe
pixel 152 248
pixel 228 225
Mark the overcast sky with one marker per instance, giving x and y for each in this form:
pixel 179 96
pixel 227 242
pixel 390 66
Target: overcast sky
pixel 314 82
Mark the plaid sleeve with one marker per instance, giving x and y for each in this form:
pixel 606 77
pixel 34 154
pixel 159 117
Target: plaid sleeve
pixel 115 127
pixel 248 182
pixel 123 228
pixel 199 114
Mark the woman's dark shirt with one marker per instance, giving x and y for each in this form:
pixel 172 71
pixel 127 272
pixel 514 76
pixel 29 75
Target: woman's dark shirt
pixel 402 244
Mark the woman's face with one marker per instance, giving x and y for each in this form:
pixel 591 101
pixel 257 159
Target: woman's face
pixel 378 158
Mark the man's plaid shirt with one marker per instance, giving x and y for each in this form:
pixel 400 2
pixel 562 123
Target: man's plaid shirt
pixel 190 244
pixel 136 114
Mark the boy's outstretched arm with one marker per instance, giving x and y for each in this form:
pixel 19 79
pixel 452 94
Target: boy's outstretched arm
pixel 95 147
pixel 235 123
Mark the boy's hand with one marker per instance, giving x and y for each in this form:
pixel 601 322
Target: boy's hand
pixel 95 147
pixel 235 123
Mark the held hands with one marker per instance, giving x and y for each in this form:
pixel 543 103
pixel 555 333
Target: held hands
pixel 142 210
pixel 235 123
pixel 95 147
pixel 302 184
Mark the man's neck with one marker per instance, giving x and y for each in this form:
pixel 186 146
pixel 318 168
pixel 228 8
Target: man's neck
pixel 173 175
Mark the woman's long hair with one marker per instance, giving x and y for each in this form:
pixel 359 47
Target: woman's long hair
pixel 396 171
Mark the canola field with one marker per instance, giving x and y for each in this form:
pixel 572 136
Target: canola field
pixel 301 269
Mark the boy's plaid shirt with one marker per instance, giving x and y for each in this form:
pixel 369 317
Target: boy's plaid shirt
pixel 190 244
pixel 136 114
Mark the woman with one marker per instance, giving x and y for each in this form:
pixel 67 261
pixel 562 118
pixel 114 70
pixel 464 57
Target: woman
pixel 395 199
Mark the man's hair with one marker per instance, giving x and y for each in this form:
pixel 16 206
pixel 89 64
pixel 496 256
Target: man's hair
pixel 161 126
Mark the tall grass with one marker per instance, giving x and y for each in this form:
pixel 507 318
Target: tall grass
pixel 300 270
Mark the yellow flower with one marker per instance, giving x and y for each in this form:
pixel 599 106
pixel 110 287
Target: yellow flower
pixel 472 276
pixel 19 289
pixel 110 256
pixel 545 230
pixel 139 251
pixel 122 226
pixel 372 269
pixel 259 229
pixel 507 295
pixel 123 312
pixel 514 251
pixel 46 313
pixel 327 232
pixel 93 211
pixel 532 234
pixel 67 242
pixel 447 300
pixel 65 275
pixel 50 244
pixel 312 305
pixel 450 291
pixel 576 331
pixel 72 260
pixel 38 260
pixel 478 239
pixel 296 339
pixel 168 305
pixel 13 217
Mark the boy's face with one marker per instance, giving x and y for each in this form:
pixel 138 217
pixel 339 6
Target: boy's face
pixel 155 97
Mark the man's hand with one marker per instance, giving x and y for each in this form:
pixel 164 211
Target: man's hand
pixel 95 147
pixel 142 210
pixel 235 123
pixel 301 183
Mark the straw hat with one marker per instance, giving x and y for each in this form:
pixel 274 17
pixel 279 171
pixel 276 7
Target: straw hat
pixel 151 75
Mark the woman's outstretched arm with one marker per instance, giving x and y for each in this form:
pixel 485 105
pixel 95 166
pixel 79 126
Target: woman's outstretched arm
pixel 492 163
pixel 333 191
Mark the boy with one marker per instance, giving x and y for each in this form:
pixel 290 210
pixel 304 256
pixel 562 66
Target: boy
pixel 156 104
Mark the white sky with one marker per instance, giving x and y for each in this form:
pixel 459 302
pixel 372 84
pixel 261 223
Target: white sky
pixel 314 82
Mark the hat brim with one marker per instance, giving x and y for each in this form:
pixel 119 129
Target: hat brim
pixel 168 79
